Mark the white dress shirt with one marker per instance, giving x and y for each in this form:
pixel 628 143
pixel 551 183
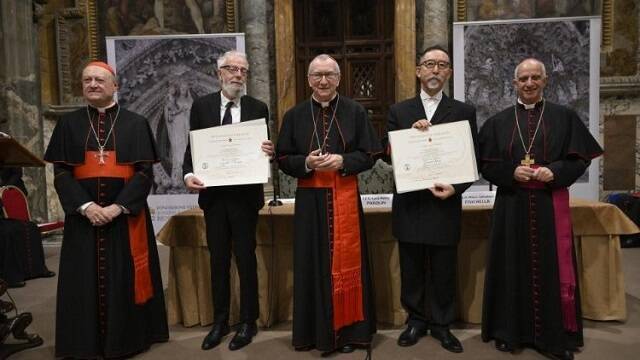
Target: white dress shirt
pixel 235 109
pixel 430 103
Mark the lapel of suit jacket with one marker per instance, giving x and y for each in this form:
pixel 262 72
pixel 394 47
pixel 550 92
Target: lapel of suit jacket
pixel 244 115
pixel 416 111
pixel 443 110
pixel 215 108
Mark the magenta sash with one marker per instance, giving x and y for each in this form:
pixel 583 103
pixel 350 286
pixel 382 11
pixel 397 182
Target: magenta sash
pixel 564 244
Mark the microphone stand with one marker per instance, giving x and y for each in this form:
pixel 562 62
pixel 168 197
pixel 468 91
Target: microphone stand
pixel 276 185
pixel 272 203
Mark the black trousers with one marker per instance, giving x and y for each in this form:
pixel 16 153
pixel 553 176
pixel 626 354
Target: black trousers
pixel 231 227
pixel 428 275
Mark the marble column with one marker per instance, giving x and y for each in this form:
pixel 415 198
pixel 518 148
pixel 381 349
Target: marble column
pixel 20 92
pixel 434 20
pixel 433 26
pixel 253 21
pixel 256 21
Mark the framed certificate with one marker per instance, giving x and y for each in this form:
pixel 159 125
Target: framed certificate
pixel 444 153
pixel 230 154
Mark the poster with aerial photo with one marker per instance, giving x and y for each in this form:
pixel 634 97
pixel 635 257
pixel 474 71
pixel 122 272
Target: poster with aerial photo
pixel 486 54
pixel 159 77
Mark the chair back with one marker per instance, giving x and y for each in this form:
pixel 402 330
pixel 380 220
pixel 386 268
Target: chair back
pixel 14 203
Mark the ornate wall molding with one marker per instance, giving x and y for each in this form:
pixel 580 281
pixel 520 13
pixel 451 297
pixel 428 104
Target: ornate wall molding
pixel 461 10
pixel 231 15
pixel 620 85
pixel 67 23
pixel 91 14
pixel 607 25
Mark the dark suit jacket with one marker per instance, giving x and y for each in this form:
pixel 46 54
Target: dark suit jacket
pixel 205 113
pixel 418 216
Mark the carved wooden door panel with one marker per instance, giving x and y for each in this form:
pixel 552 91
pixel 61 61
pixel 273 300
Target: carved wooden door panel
pixel 359 35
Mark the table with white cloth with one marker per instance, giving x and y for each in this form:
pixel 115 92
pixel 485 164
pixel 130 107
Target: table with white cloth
pixel 597 227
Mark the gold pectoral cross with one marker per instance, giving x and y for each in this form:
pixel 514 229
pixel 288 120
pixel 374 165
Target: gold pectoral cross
pixel 101 155
pixel 527 161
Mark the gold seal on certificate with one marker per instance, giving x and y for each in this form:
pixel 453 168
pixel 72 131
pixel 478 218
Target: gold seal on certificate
pixel 444 153
pixel 230 154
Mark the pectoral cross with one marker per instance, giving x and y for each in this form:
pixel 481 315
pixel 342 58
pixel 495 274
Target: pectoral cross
pixel 527 161
pixel 101 155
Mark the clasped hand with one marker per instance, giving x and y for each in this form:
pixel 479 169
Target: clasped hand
pixel 442 191
pixel 525 173
pixel 99 215
pixel 324 162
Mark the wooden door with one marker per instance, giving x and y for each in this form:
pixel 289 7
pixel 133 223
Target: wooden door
pixel 359 35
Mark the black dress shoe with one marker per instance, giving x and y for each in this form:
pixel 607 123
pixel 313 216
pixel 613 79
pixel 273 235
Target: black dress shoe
pixel 503 346
pixel 243 337
pixel 564 355
pixel 346 349
pixel 447 340
pixel 304 348
pixel 411 335
pixel 48 274
pixel 18 284
pixel 213 338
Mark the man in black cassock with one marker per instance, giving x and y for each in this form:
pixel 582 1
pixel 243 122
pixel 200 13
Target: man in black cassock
pixel 427 222
pixel 533 152
pixel 230 212
pixel 110 299
pixel 13 176
pixel 325 142
pixel 21 252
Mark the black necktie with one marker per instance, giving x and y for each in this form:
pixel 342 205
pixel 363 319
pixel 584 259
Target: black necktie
pixel 226 119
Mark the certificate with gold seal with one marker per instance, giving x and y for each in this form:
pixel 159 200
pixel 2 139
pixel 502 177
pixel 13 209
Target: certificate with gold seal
pixel 230 154
pixel 443 153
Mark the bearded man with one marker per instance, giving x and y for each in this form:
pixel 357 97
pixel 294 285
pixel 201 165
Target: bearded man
pixel 230 212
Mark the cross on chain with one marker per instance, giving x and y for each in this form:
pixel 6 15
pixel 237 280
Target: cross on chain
pixel 527 161
pixel 101 155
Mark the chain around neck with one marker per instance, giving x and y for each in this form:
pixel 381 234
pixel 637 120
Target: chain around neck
pixel 526 149
pixel 95 133
pixel 322 145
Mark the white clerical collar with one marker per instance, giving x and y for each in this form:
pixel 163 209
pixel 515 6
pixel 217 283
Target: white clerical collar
pixel 528 106
pixel 324 104
pixel 224 100
pixel 426 97
pixel 104 109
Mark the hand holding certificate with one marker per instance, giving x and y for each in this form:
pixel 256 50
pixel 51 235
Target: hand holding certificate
pixel 442 154
pixel 230 154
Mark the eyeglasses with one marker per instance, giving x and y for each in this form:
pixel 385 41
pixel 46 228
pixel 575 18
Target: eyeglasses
pixel 235 69
pixel 430 64
pixel 524 79
pixel 331 76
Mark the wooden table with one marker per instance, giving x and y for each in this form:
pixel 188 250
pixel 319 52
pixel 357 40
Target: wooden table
pixel 596 225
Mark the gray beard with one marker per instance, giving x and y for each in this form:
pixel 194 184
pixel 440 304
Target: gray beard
pixel 232 91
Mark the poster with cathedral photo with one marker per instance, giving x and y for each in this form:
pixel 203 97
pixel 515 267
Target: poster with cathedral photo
pixel 487 52
pixel 158 78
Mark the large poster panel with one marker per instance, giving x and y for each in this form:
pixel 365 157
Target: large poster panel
pixel 158 78
pixel 486 54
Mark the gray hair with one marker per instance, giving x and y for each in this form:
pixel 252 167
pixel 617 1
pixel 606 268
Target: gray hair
pixel 544 70
pixel 222 60
pixel 324 57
